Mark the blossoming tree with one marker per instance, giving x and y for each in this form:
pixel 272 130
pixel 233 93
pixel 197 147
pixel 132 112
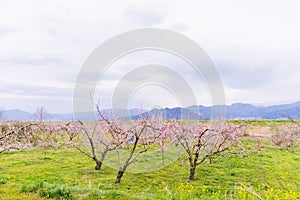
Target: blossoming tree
pixel 201 141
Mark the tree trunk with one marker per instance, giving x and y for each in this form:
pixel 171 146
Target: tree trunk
pixel 98 165
pixel 120 174
pixel 192 173
pixel 163 157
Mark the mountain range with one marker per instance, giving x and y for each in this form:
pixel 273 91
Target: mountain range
pixel 234 111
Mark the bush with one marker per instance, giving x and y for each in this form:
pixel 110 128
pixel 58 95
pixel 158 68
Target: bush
pixel 48 190
pixel 56 192
pixel 33 187
pixel 3 180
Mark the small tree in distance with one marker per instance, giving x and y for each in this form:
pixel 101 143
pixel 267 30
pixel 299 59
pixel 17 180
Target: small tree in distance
pixel 41 114
pixel 2 117
pixel 287 137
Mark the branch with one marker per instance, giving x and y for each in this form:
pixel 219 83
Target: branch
pixel 12 132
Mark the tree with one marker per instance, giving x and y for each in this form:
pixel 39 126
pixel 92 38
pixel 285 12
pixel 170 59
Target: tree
pixel 163 131
pixel 132 135
pixel 200 141
pixel 287 137
pixel 52 133
pixel 17 136
pixel 2 117
pixel 48 130
pixel 41 114
pixel 129 138
pixel 21 135
pixel 99 141
pixel 101 137
pixel 71 128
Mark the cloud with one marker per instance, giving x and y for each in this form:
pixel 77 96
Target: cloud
pixel 255 46
pixel 6 30
pixel 31 89
pixel 245 76
pixel 34 60
pixel 145 17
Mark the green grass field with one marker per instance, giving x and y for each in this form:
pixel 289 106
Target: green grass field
pixel 267 173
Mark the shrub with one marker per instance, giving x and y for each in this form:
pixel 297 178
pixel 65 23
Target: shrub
pixel 48 190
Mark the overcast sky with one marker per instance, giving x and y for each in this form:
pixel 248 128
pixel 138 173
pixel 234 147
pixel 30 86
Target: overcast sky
pixel 254 44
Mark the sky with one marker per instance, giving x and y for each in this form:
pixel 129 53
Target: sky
pixel 43 45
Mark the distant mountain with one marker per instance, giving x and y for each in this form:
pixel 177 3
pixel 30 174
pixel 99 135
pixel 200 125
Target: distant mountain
pixel 234 111
pixel 277 111
pixel 170 113
pixel 18 115
pixel 239 110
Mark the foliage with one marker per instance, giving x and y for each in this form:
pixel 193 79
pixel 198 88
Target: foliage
pixel 27 135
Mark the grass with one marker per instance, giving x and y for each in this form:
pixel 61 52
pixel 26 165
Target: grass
pixel 267 173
